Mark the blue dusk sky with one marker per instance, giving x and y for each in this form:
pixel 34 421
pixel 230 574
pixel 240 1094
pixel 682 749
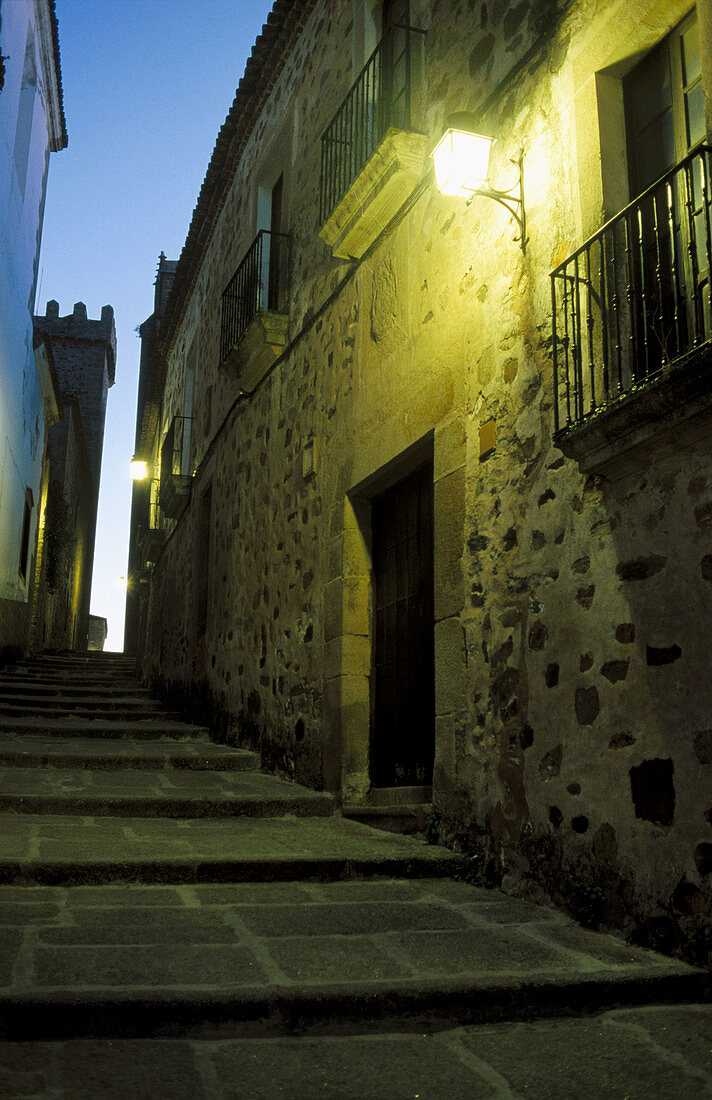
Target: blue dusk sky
pixel 147 85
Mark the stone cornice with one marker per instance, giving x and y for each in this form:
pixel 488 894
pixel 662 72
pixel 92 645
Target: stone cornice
pixel 269 55
pixel 46 16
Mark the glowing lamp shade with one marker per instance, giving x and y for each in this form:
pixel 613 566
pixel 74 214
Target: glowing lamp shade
pixel 139 469
pixel 461 162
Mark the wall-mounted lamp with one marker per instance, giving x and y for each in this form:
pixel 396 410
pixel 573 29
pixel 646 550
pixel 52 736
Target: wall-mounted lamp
pixel 139 469
pixel 461 160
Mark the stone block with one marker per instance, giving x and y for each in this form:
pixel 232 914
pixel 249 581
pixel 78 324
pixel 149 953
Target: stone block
pixel 376 194
pixel 257 348
pixel 334 558
pixel 356 556
pixel 333 609
pixel 347 719
pixel 355 736
pixel 356 614
pixel 450 682
pixel 347 655
pixel 445 764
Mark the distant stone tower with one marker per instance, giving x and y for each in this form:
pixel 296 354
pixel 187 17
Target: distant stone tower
pixel 83 356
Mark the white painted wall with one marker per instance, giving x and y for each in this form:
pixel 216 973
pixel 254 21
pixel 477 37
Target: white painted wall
pixel 24 158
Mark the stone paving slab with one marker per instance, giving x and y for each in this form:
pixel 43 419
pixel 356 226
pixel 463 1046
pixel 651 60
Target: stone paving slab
pixel 651 1053
pixel 164 793
pixel 206 958
pixel 95 753
pixel 52 850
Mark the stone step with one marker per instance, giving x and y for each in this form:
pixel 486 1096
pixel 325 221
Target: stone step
pixel 112 753
pixel 58 690
pixel 75 668
pixel 75 657
pixel 656 1051
pixel 394 796
pixel 209 961
pixel 119 706
pixel 102 727
pixel 177 793
pixel 52 850
pixel 402 818
pixel 91 682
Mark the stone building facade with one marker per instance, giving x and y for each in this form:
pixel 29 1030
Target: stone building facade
pixel 146 528
pixel 82 353
pixel 32 126
pixel 434 486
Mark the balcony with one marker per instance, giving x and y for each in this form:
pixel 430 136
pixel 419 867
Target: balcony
pixel 153 536
pixel 371 159
pixel 254 310
pixel 176 472
pixel 632 324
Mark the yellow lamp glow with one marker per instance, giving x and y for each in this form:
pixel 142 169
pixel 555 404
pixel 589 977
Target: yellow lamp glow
pixel 139 469
pixel 461 162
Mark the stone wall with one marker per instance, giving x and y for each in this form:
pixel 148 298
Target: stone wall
pixel 572 749
pixel 67 527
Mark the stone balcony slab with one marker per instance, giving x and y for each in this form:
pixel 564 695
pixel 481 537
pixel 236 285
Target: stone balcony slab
pixel 264 339
pixel 377 193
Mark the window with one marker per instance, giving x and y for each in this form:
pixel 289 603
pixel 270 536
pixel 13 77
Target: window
pixel 632 305
pixel 269 220
pixel 664 116
pixel 382 109
pixel 187 442
pixel 259 287
pixel 664 106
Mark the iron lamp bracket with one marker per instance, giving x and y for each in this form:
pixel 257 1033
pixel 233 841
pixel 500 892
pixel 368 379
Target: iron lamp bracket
pixel 511 199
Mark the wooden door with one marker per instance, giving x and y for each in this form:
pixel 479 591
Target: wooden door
pixel 403 729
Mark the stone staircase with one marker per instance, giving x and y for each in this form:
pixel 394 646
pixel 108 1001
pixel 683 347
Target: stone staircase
pixel 161 899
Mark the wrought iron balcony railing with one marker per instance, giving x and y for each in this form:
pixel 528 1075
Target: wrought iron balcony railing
pixel 635 298
pixel 260 283
pixel 381 96
pixel 152 536
pixel 176 469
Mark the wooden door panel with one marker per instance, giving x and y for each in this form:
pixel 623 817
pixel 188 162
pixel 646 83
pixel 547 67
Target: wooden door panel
pixel 404 696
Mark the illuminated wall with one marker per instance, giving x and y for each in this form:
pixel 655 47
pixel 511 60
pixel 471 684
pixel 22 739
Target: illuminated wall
pixel 572 751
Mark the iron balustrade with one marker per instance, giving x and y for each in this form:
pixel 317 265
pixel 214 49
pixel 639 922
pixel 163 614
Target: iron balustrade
pixel 258 284
pixel 635 298
pixel 151 536
pixel 381 96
